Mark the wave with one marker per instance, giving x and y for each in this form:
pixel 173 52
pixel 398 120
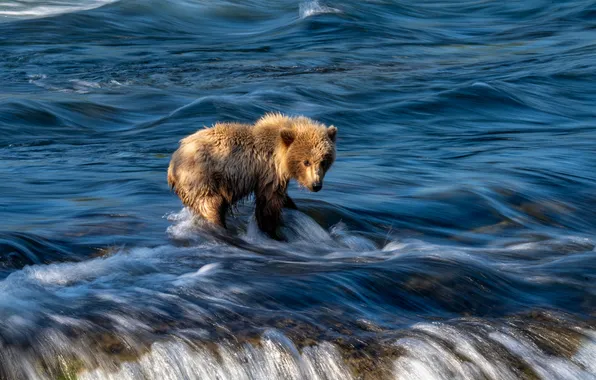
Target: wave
pixel 32 9
pixel 463 349
pixel 18 250
pixel 312 8
pixel 429 351
pixel 275 357
pixel 172 309
pixel 64 120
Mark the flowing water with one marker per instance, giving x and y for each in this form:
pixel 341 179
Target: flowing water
pixel 454 238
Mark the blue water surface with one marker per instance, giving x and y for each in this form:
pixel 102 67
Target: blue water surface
pixel 463 193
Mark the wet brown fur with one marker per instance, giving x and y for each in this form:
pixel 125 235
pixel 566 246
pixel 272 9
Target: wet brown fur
pixel 216 167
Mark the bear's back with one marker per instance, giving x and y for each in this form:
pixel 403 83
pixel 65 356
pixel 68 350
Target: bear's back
pixel 221 135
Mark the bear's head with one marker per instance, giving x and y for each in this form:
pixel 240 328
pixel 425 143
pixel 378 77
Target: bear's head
pixel 310 152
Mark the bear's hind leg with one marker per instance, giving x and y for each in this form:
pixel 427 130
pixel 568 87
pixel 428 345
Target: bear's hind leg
pixel 213 208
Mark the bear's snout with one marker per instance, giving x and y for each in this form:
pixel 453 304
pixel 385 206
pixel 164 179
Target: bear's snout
pixel 317 186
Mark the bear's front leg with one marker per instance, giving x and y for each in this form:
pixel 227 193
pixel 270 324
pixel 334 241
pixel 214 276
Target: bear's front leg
pixel 268 212
pixel 289 203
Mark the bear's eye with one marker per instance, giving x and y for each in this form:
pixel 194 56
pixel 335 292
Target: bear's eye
pixel 306 163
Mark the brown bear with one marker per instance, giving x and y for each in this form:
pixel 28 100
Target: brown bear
pixel 216 167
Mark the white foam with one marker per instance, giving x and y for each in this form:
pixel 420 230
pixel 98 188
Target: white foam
pixel 125 324
pixel 31 9
pixel 83 86
pixel 394 246
pixel 39 80
pixel 300 227
pixel 545 366
pixel 192 277
pixel 586 354
pixel 356 243
pixel 63 274
pixel 25 292
pixel 78 86
pixel 437 354
pixel 275 358
pixel 465 344
pixel 312 8
pixel 576 243
pixel 426 359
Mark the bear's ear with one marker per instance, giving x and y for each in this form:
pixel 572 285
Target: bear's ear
pixel 287 136
pixel 332 132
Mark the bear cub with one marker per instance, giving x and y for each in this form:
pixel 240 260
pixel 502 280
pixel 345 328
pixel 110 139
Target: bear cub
pixel 216 167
